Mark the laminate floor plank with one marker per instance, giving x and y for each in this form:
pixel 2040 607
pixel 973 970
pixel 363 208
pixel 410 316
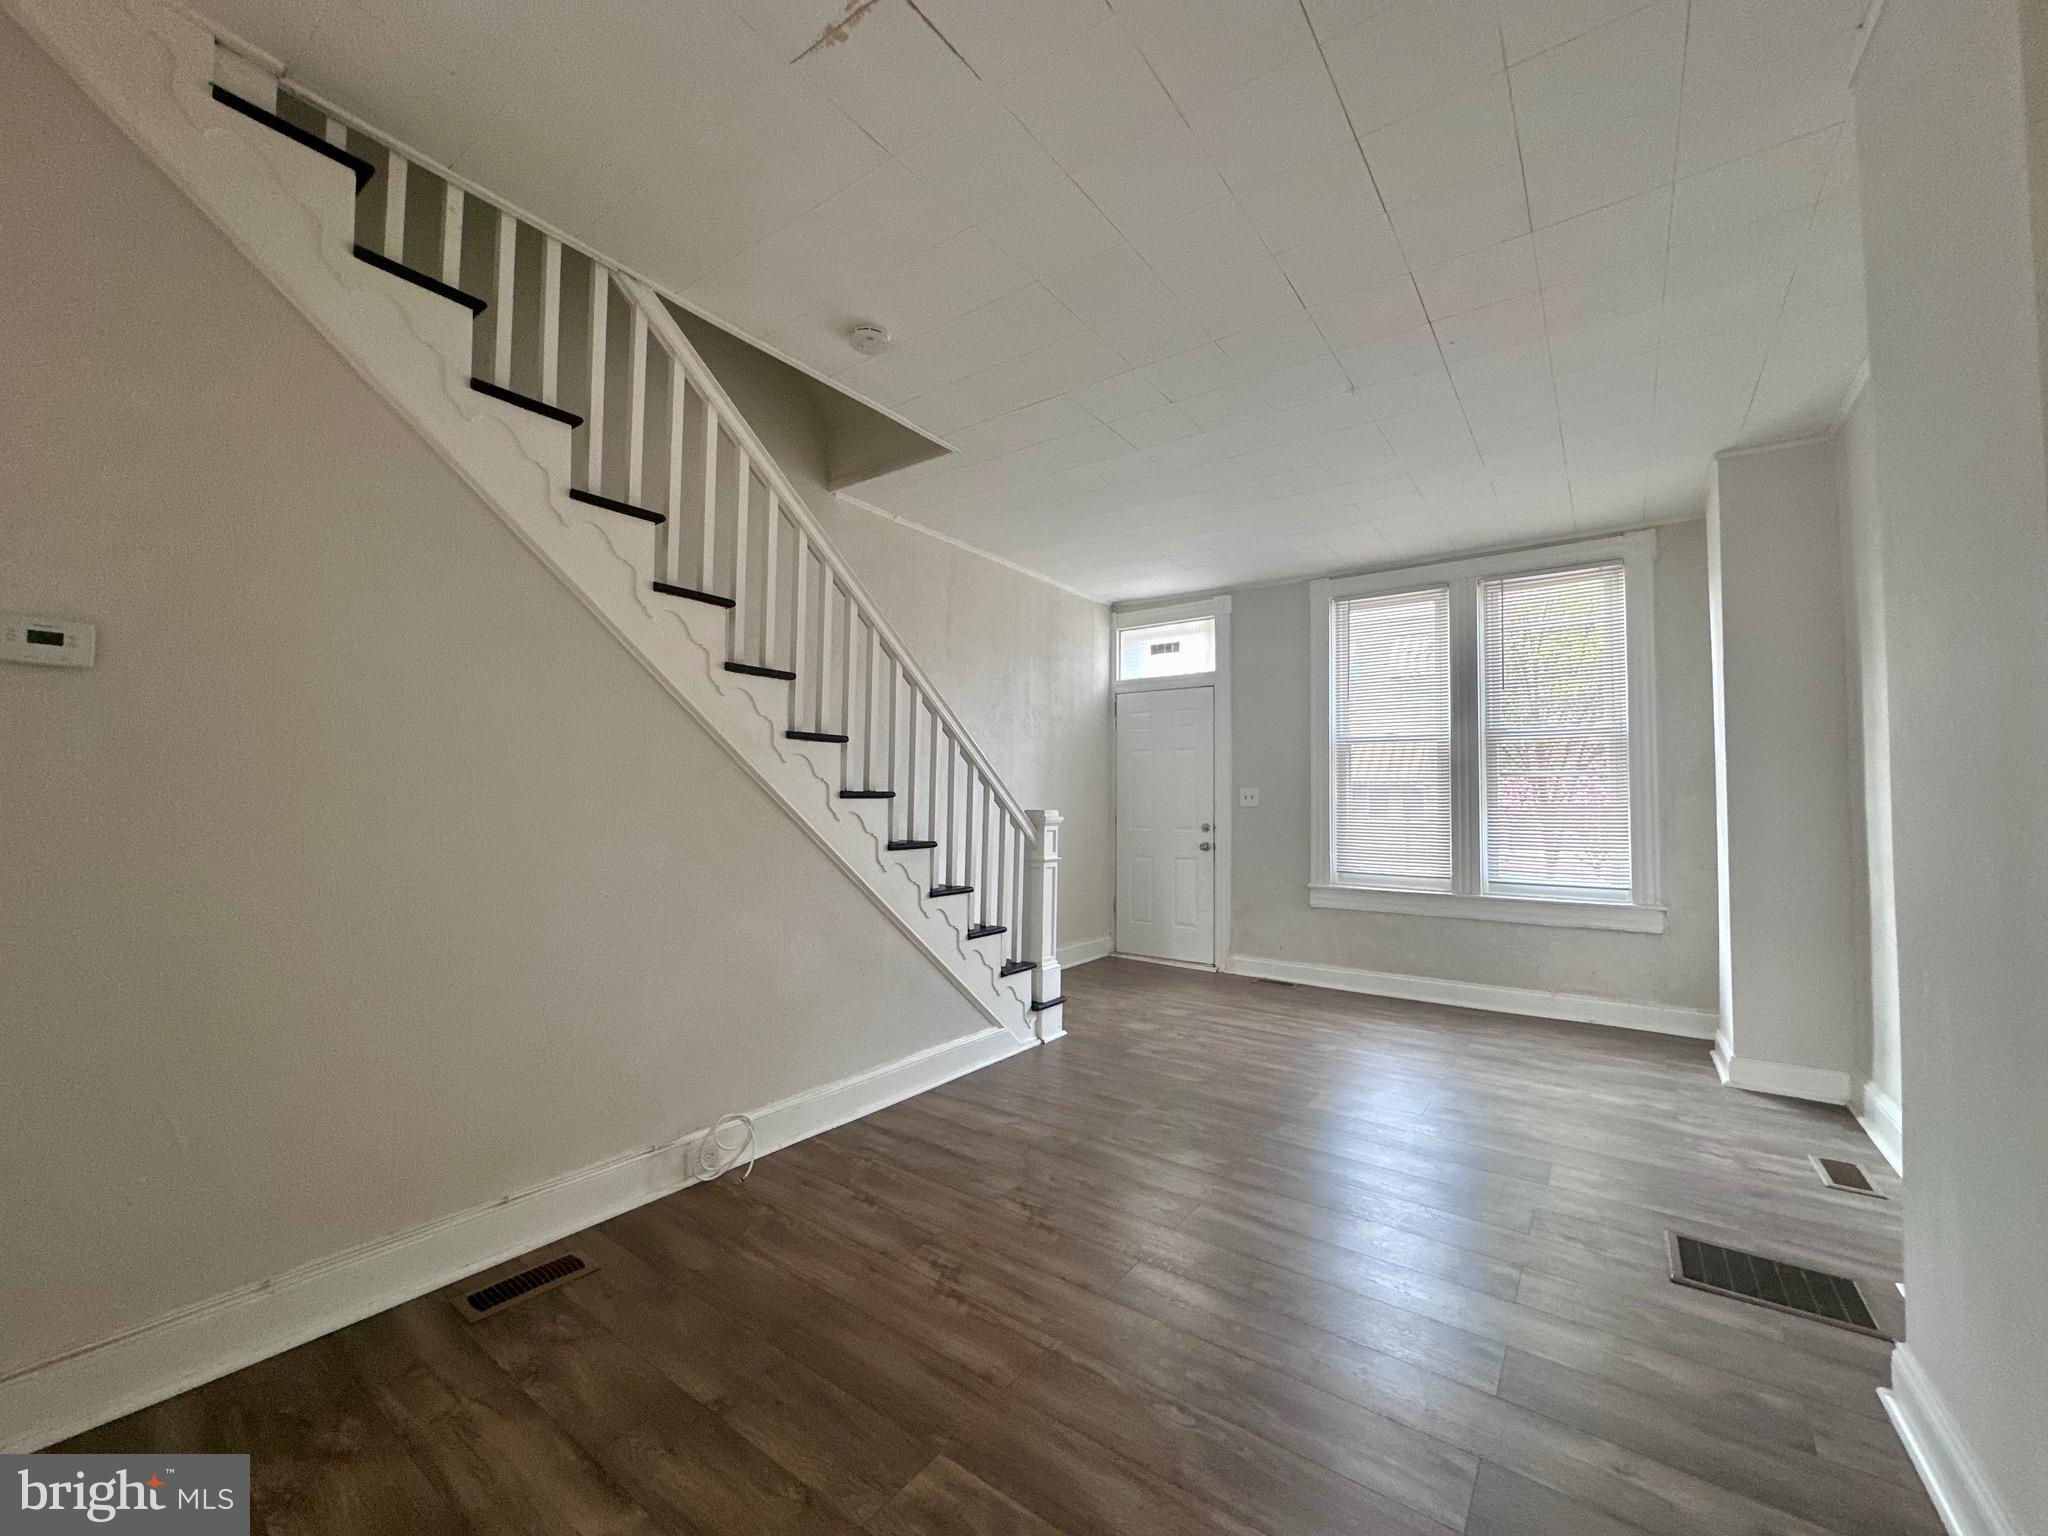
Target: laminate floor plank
pixel 1233 1258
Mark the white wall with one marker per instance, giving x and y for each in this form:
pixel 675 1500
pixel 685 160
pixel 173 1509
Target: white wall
pixel 1023 663
pixel 1789 996
pixel 1950 259
pixel 1271 915
pixel 1877 1094
pixel 366 878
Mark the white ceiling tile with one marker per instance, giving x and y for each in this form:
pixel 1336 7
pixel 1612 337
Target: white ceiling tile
pixel 1759 253
pixel 1402 59
pixel 1773 180
pixel 984 162
pixel 1113 399
pixel 1280 344
pixel 1202 246
pixel 1010 326
pixel 895 76
pixel 892 215
pixel 1524 402
pixel 1050 370
pixel 1505 368
pixel 1152 429
pixel 1759 73
pixel 1193 372
pixel 1608 165
pixel 1494 328
pixel 1052 231
pixel 1400 356
pixel 1092 97
pixel 1606 237
pixel 1220 407
pixel 1530 27
pixel 1627 375
pixel 1162 176
pixel 1273 123
pixel 1479 279
pixel 1467 217
pixel 1375 314
pixel 1316 379
pixel 949 280
pixel 1201 48
pixel 1463 136
pixel 1105 286
pixel 1628 289
pixel 1410 392
pixel 1257 293
pixel 1331 194
pixel 1000 41
pixel 1157 331
pixel 1367 255
pixel 1627 69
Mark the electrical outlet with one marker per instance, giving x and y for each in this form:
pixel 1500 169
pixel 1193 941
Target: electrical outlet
pixel 1248 797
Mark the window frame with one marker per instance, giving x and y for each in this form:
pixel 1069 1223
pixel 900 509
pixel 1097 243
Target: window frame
pixel 1643 910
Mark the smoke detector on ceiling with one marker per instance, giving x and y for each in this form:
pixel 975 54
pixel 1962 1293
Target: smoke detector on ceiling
pixel 868 339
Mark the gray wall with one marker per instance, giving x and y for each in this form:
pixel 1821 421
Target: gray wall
pixel 1942 115
pixel 366 878
pixel 1271 916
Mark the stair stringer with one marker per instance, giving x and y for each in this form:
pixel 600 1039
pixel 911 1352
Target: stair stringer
pixel 149 67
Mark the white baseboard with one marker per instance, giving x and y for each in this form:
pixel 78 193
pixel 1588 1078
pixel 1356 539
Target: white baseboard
pixel 1962 1494
pixel 1786 1079
pixel 1883 1122
pixel 46 1402
pixel 1656 1018
pixel 1072 955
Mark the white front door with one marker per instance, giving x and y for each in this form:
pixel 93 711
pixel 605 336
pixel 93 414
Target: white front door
pixel 1165 824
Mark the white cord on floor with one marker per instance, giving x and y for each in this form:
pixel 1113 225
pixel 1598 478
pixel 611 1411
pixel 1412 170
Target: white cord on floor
pixel 716 1156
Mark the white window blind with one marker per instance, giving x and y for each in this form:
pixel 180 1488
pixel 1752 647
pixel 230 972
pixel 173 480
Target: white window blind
pixel 1555 729
pixel 1390 739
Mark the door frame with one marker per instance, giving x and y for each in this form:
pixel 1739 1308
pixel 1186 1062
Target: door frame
pixel 1134 616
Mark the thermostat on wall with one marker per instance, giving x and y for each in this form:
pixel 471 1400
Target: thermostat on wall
pixel 45 642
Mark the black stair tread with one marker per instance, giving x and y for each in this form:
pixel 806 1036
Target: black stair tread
pixel 899 844
pixel 833 736
pixel 363 169
pixel 526 402
pixel 1012 967
pixel 591 498
pixel 1050 1002
pixel 415 276
pixel 951 890
pixel 985 930
pixel 867 794
pixel 753 671
pixel 693 594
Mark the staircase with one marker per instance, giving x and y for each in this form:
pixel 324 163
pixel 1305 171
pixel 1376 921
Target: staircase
pixel 563 390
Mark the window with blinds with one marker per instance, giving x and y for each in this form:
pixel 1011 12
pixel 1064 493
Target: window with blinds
pixel 1390 739
pixel 1554 733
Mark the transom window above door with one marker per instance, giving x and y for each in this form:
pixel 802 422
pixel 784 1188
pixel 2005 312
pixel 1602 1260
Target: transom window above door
pixel 1484 739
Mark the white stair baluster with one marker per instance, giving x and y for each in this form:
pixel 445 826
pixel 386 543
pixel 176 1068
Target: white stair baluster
pixel 335 132
pixel 707 566
pixel 672 530
pixel 593 429
pixel 909 759
pixel 985 893
pixel 742 486
pixel 771 581
pixel 395 168
pixel 452 199
pixel 889 777
pixel 501 298
pixel 867 713
pixel 952 813
pixel 799 604
pixel 551 320
pixel 931 771
pixel 636 407
pixel 846 676
pixel 826 661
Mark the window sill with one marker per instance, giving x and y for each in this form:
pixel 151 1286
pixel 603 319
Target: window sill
pixel 1620 917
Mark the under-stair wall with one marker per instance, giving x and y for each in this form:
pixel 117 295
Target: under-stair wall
pixel 371 913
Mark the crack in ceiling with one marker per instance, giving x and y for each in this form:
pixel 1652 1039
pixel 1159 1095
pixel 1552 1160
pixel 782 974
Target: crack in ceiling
pixel 840 30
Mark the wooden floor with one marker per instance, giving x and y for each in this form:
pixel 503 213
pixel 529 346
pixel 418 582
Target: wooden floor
pixel 1232 1257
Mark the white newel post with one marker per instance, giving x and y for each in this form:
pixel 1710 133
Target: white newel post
pixel 1042 922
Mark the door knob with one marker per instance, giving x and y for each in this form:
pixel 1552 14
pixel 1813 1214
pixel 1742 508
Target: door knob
pixel 1206 847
